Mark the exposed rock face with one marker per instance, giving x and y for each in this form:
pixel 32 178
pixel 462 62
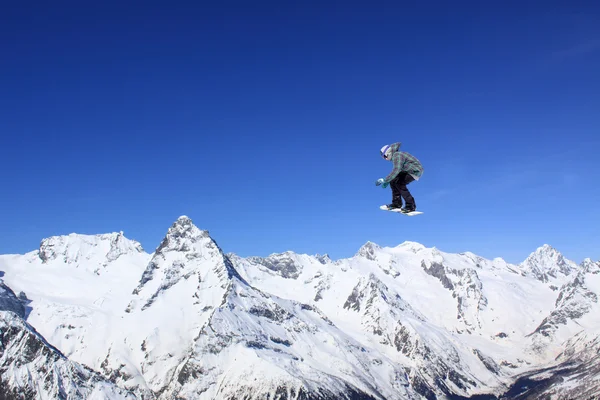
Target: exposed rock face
pixel 465 286
pixel 10 302
pixel 575 300
pixel 282 264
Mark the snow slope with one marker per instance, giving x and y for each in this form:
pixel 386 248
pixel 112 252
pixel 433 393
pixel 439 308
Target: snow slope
pixel 31 368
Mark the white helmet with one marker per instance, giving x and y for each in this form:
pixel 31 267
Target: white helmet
pixel 386 151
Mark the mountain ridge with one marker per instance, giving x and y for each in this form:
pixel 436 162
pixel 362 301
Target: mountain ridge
pixel 430 324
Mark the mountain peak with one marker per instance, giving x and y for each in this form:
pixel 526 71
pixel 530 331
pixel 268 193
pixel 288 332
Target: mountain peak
pixel 547 262
pixel 368 250
pixel 411 246
pixel 186 256
pixel 181 235
pixel 183 223
pixel 184 219
pixel 546 249
pixel 75 248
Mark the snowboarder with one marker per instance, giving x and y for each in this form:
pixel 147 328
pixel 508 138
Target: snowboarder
pixel 407 168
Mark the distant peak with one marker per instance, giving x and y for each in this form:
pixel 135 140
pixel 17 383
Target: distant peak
pixel 411 246
pixel 368 250
pixel 370 246
pixel 547 262
pixel 544 252
pixel 75 247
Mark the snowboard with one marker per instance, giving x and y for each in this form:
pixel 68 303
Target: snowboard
pixel 397 210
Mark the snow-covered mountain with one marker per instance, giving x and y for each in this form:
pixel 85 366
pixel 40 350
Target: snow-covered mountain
pixel 31 368
pixel 407 322
pixel 547 264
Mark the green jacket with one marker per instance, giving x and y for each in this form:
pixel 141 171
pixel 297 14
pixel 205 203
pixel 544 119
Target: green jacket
pixel 404 162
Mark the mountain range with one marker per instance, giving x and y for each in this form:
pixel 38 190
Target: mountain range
pixel 98 317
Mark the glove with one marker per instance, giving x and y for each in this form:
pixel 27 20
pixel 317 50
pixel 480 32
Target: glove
pixel 380 181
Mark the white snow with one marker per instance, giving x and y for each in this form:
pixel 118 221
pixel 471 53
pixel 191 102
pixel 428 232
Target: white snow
pixel 151 318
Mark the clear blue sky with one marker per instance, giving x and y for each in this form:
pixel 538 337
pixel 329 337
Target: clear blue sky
pixel 263 122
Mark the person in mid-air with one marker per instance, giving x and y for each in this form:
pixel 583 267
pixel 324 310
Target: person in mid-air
pixel 407 168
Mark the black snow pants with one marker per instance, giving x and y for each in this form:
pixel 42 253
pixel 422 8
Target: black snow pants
pixel 400 191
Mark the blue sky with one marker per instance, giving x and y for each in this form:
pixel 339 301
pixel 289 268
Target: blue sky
pixel 263 123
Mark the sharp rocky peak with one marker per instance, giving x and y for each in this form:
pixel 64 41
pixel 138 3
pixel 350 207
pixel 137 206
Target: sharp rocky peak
pixel 181 236
pixel 546 249
pixel 546 263
pixel 185 253
pixel 369 251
